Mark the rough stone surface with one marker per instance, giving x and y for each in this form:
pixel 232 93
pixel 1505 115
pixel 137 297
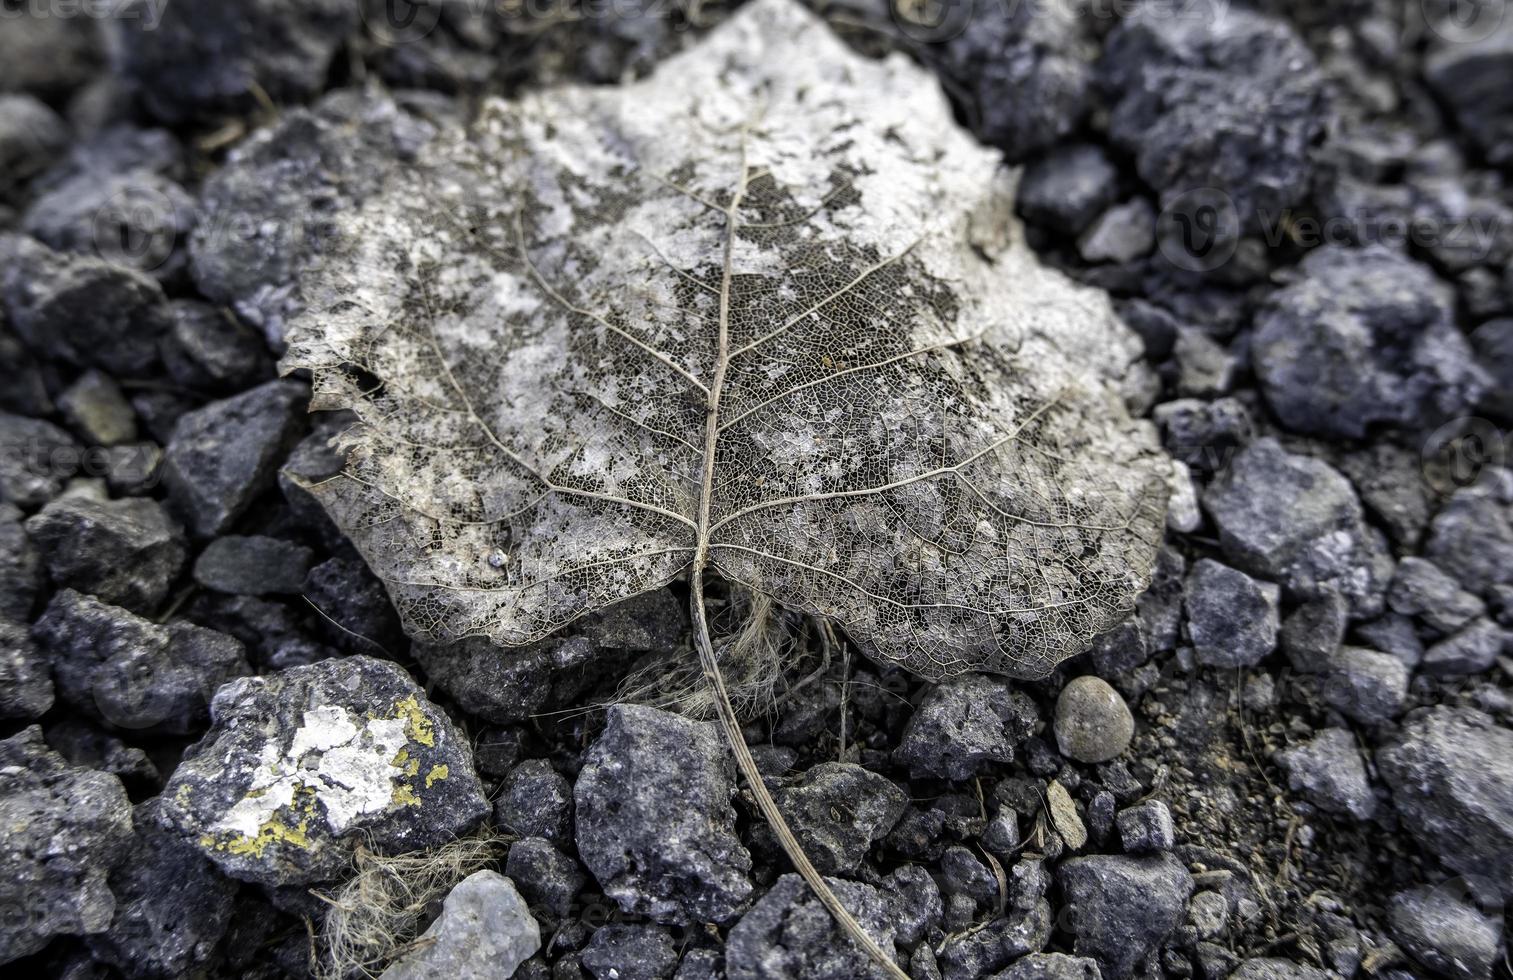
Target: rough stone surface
pixel 126 552
pixel 65 829
pixel 301 766
pixel 1365 685
pixel 630 952
pixel 1451 774
pixel 223 455
pixel 36 460
pixel 549 879
pixel 1067 188
pixel 253 565
pixel 208 349
pixel 1330 773
pixel 484 932
pixel 1273 968
pixel 1365 338
pixel 1471 537
pixel 1124 907
pixel 1466 74
pixel 536 801
pixel 789 935
pixel 655 822
pixel 1471 651
pixel 1296 521
pixel 1445 934
pixel 1232 619
pixel 1052 966
pixel 1000 942
pixel 31 137
pixel 1093 724
pixel 1420 588
pixel 1146 827
pixel 505 685
pixel 964 724
pixel 26 686
pixel 117 667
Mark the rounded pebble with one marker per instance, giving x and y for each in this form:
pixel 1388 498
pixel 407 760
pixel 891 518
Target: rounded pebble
pixel 1093 724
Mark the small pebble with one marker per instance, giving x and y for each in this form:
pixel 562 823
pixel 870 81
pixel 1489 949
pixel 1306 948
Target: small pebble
pixel 1093 724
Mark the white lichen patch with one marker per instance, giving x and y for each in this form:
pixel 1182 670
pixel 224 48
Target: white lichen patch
pixel 353 766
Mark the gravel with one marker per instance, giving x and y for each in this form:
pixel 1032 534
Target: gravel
pixel 484 932
pixel 1093 724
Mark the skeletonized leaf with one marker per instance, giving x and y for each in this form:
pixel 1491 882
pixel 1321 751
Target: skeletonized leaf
pixel 773 251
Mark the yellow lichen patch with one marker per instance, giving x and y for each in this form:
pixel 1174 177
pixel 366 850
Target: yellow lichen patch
pixel 400 757
pixel 412 767
pixel 436 774
pixel 405 796
pixel 417 726
pixel 273 831
pixel 182 796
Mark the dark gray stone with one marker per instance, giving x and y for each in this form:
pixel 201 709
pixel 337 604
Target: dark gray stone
pixel 1296 520
pixel 1002 941
pixel 789 935
pixel 26 392
pixel 20 568
pixel 1471 536
pixel 964 873
pixel 26 685
pixel 223 455
pixel 1365 685
pixel 1315 630
pixel 549 879
pixel 1393 634
pixel 505 687
pixel 914 898
pixel 1159 607
pixel 655 822
pixel 136 219
pixel 1146 827
pixel 1451 937
pixel 1093 724
pixel 301 767
pixel 31 137
pixel 536 801
pixel 1493 343
pixel 1232 619
pixel 346 588
pixel 1366 337
pixel 1471 651
pixel 80 309
pixel 172 906
pixel 253 566
pixel 1451 774
pixel 630 952
pixel 1001 835
pixel 1420 588
pixel 125 552
pixel 1204 434
pixel 964 724
pixel 1052 966
pixel 36 459
pixel 484 932
pixel 1067 187
pixel 1467 72
pixel 89 747
pixel 1330 773
pixel 199 60
pixel 1270 968
pixel 133 673
pixel 1124 908
pixel 207 349
pixel 838 810
pixel 1390 480
pixel 65 829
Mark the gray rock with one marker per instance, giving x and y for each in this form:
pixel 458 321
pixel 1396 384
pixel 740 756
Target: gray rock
pixel 964 873
pixel 838 810
pixel 655 822
pixel 26 685
pixel 1471 536
pixel 253 566
pixel 700 964
pixel 223 455
pixel 1296 520
pixel 1493 343
pixel 1471 651
pixel 630 952
pixel 20 567
pixel 172 906
pixel 1315 630
pixel 536 801
pixel 1451 774
pixel 505 687
pixel 1159 607
pixel 346 586
pixel 89 747
pixel 1122 233
pixel 1464 72
pixel 1393 634
pixel 914 898
pixel 117 667
pixel 1146 827
pixel 31 137
pixel 789 935
pixel 1029 71
pixel 1002 941
pixel 301 767
pixel 1067 187
pixel 1001 835
pixel 80 309
pixel 1330 773
pixel 1390 480
pixel 1232 619
pixel 208 349
pixel 1093 724
pixel 964 724
pixel 97 409
pixel 549 879
pixel 1204 366
pixel 1204 434
pixel 1419 588
pixel 126 552
pixel 1270 968
pixel 136 219
pixel 1451 937
pixel 26 393
pixel 1124 908
pixel 1365 338
pixel 484 932
pixel 200 60
pixel 36 459
pixel 65 829
pixel 1051 966
pixel 1367 686
pixel 1231 103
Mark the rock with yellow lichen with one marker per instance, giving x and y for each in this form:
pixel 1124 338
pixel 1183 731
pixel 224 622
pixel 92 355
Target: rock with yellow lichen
pixel 301 766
